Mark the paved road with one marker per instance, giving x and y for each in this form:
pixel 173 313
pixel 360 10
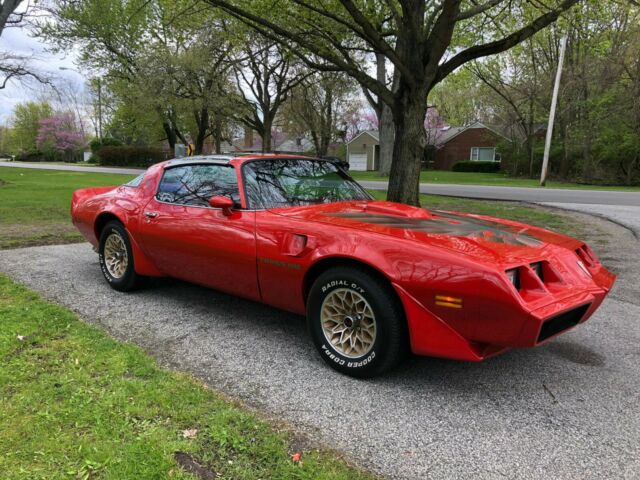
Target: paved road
pixel 523 194
pixel 622 214
pixel 72 168
pixel 601 197
pixel 567 410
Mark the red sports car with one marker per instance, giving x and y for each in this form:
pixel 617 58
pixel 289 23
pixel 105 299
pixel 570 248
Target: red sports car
pixel 375 279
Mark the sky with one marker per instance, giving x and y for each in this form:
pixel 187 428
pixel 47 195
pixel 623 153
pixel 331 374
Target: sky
pixel 17 40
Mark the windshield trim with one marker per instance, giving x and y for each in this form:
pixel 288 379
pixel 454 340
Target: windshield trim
pixel 260 209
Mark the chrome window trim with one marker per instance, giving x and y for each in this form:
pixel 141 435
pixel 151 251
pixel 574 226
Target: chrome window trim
pixel 169 167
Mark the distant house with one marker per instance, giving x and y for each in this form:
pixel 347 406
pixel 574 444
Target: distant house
pixel 474 142
pixel 280 143
pixel 363 151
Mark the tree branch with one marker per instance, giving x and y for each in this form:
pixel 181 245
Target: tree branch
pixel 477 10
pixel 505 43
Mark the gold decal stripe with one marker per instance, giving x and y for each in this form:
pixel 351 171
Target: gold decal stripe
pixel 448 304
pixel 278 263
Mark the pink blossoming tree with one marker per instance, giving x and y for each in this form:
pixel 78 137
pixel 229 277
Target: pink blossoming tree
pixel 58 136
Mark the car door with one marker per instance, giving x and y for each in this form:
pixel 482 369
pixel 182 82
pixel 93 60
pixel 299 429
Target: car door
pixel 190 240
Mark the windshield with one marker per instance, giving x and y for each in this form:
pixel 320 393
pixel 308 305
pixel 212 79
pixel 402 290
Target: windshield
pixel 297 182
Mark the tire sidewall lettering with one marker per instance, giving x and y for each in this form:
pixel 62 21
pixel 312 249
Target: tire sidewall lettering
pixel 336 358
pixel 328 350
pixel 103 265
pixel 333 284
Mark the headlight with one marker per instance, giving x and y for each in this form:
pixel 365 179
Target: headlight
pixel 514 277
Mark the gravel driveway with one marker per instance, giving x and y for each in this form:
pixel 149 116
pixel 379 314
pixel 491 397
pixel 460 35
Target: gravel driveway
pixel 566 410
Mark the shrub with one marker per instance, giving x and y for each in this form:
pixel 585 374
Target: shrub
pixel 96 144
pixel 33 157
pixel 482 167
pixel 130 156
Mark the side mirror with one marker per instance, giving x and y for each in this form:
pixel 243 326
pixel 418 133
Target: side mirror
pixel 225 203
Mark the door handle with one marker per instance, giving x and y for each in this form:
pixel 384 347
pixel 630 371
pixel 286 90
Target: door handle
pixel 150 214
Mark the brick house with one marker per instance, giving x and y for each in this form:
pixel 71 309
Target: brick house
pixel 475 142
pixel 448 145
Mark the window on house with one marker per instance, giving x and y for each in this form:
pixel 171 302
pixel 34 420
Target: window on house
pixel 483 154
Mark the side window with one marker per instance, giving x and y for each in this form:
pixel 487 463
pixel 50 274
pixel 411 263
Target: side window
pixel 196 184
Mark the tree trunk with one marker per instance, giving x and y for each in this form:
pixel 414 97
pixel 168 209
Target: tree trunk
pixel 171 134
pixel 387 134
pixel 202 122
pixel 266 134
pixel 386 131
pixel 409 147
pixel 217 134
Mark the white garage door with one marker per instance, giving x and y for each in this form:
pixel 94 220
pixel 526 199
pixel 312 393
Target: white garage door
pixel 358 162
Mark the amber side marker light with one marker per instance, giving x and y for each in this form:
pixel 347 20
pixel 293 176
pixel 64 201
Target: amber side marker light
pixel 451 302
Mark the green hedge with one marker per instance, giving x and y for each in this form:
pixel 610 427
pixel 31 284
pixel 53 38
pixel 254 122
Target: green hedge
pixel 130 156
pixel 32 157
pixel 96 144
pixel 483 167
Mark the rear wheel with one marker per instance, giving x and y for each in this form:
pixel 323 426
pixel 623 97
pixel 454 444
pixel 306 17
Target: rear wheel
pixel 356 322
pixel 116 258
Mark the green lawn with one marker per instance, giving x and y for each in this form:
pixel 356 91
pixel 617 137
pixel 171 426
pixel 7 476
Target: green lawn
pixel 76 404
pixel 34 204
pixel 497 179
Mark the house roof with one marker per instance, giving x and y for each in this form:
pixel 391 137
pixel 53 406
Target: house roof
pixel 442 136
pixel 372 133
pixel 437 136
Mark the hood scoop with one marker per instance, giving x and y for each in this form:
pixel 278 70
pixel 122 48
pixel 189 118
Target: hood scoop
pixel 443 223
pixel 389 208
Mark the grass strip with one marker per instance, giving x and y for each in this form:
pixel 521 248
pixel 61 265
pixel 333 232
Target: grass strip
pixel 74 403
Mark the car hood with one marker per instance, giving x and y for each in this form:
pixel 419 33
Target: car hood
pixel 484 238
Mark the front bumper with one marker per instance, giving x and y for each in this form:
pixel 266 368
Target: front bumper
pixel 430 335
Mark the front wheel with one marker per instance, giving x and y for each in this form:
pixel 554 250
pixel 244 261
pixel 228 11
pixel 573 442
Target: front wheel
pixel 116 258
pixel 356 322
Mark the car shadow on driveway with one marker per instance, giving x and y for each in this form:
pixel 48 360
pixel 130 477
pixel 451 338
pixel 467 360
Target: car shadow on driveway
pixel 557 361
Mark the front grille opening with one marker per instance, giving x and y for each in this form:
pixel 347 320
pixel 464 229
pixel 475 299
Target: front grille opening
pixel 584 255
pixel 562 322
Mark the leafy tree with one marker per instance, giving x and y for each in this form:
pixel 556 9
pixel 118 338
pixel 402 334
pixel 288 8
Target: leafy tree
pixel 26 123
pixel 174 85
pixel 424 40
pixel 598 115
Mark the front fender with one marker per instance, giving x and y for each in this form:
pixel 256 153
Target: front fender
pixel 431 336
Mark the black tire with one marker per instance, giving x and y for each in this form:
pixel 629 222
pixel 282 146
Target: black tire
pixel 390 345
pixel 129 280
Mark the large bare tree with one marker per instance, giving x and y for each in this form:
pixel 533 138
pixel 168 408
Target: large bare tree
pixel 12 65
pixel 425 40
pixel 265 74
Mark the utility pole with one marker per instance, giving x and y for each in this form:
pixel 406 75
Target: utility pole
pixel 552 113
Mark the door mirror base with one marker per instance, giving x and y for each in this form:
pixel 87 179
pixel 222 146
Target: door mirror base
pixel 224 203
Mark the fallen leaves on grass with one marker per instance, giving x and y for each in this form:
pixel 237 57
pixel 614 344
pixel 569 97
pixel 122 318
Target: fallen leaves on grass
pixel 190 433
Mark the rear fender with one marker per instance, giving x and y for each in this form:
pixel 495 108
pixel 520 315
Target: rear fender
pixel 142 264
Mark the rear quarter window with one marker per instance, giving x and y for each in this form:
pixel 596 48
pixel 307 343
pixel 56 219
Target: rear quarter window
pixel 136 181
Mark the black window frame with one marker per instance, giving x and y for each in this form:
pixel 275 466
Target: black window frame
pixel 255 209
pixel 237 205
